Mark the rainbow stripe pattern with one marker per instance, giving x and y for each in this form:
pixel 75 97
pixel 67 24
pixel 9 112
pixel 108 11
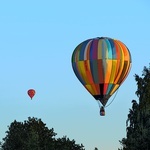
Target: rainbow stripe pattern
pixel 101 65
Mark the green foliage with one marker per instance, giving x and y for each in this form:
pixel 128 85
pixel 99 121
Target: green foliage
pixel 34 135
pixel 66 144
pixel 138 122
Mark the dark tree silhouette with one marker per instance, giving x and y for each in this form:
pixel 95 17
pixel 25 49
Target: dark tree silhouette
pixel 138 122
pixel 33 134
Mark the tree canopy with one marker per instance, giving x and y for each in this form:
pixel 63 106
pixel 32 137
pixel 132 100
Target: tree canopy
pixel 138 121
pixel 32 134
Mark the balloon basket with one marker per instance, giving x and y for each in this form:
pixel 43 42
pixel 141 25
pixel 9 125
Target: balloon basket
pixel 102 111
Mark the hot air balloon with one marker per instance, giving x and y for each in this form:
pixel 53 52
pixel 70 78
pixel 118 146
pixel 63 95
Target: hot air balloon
pixel 31 93
pixel 101 64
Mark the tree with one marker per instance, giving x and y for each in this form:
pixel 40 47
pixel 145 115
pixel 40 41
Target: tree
pixel 65 143
pixel 30 135
pixel 138 122
pixel 33 134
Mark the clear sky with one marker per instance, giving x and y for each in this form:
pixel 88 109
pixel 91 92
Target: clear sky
pixel 37 38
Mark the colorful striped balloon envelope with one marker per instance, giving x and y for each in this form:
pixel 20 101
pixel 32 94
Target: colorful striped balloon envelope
pixel 101 65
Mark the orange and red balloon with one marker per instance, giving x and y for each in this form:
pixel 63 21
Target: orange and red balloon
pixel 31 93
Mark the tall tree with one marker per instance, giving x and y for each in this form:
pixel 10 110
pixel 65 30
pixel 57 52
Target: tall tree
pixel 138 122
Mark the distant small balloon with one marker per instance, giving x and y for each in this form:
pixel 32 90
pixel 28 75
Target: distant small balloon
pixel 31 93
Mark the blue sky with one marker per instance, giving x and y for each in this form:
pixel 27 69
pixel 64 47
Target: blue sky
pixel 37 39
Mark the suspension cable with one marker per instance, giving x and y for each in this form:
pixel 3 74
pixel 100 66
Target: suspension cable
pixel 113 98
